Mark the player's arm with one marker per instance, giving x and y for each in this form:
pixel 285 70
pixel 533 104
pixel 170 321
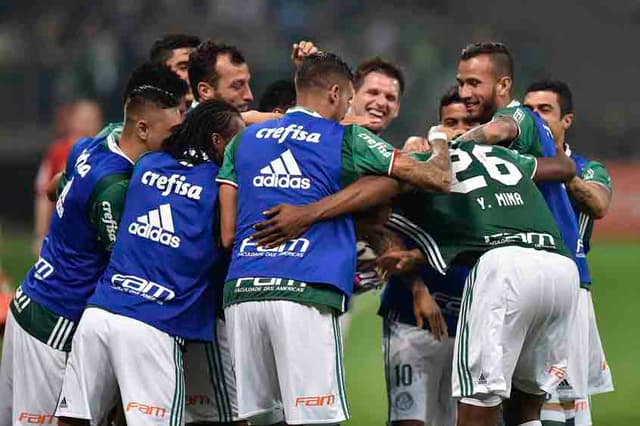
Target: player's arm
pixel 53 186
pixel 425 307
pixel 592 192
pixel 106 205
pixel 228 193
pixel 255 117
pixel 502 130
pixel 560 168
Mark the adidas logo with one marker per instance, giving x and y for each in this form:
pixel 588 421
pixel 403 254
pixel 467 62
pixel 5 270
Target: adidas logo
pixel 283 172
pixel 63 403
pixel 482 380
pixel 157 225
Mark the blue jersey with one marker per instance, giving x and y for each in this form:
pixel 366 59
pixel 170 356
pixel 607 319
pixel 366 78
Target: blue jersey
pixel 71 259
pixel 296 160
pixel 397 300
pixel 165 256
pixel 558 201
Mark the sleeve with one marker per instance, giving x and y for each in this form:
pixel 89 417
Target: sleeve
pixel 526 163
pixel 365 153
pixel 595 172
pixel 227 173
pixel 526 142
pixel 105 211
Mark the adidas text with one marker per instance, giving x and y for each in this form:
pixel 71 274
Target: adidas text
pixel 157 225
pixel 283 172
pixel 175 183
pixel 293 131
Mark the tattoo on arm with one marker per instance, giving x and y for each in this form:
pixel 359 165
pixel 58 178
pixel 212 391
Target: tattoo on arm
pixel 434 175
pixel 590 198
pixel 502 130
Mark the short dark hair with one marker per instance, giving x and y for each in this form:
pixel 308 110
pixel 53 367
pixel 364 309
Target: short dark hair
pixel 154 83
pixel 451 96
pixel 322 69
pixel 202 63
pixel 377 64
pixel 191 141
pixel 498 52
pixel 280 94
pixel 163 48
pixel 560 88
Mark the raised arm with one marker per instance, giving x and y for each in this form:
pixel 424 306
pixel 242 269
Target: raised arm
pixel 499 131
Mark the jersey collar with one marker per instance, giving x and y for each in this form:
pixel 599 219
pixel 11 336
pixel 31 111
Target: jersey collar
pixel 115 148
pixel 513 104
pixel 303 110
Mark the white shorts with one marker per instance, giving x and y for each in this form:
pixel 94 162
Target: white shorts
pixel 209 379
pixel 112 351
pixel 418 375
pixel 287 356
pixel 513 325
pixel 30 377
pixel 599 380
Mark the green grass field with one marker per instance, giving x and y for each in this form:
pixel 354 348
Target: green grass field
pixel 615 268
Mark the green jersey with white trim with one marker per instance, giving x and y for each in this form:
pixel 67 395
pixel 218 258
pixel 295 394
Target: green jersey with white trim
pixel 493 202
pixel 592 172
pixel 528 139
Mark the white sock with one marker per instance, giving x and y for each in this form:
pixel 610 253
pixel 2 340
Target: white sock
pixel 531 423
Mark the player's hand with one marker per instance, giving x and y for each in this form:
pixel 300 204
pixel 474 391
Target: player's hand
pixel 300 50
pixel 450 133
pixel 400 261
pixel 425 307
pixel 284 222
pixel 255 117
pixel 416 144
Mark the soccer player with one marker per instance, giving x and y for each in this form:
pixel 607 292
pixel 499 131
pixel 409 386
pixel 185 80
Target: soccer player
pixel 156 291
pixel 378 85
pixel 219 71
pixel 49 302
pixel 278 97
pixel 418 360
pixel 173 52
pixel 282 304
pixel 485 78
pixel 519 296
pixel 590 193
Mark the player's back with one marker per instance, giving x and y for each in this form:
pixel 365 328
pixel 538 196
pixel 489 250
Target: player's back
pixel 71 258
pixel 161 266
pixel 296 160
pixel 493 202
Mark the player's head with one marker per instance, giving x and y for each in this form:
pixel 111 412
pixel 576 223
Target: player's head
pixel 278 97
pixel 453 113
pixel 485 76
pixel 205 132
pixel 324 82
pixel 552 99
pixel 219 71
pixel 85 118
pixel 153 98
pixel 378 87
pixel 173 51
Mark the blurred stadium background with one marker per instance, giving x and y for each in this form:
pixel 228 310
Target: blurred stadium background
pixel 55 52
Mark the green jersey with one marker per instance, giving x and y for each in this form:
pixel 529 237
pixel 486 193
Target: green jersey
pixel 592 172
pixel 528 140
pixel 493 202
pixel 362 153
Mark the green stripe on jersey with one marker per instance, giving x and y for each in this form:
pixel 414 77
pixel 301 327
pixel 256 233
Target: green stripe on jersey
pixel 253 289
pixel 41 323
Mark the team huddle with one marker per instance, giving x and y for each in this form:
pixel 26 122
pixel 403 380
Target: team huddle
pixel 201 254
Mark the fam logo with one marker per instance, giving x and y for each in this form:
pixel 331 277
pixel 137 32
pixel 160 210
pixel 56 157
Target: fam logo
pixel 140 287
pixel 293 248
pixel 146 409
pixel 315 401
pixel 293 131
pixel 283 172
